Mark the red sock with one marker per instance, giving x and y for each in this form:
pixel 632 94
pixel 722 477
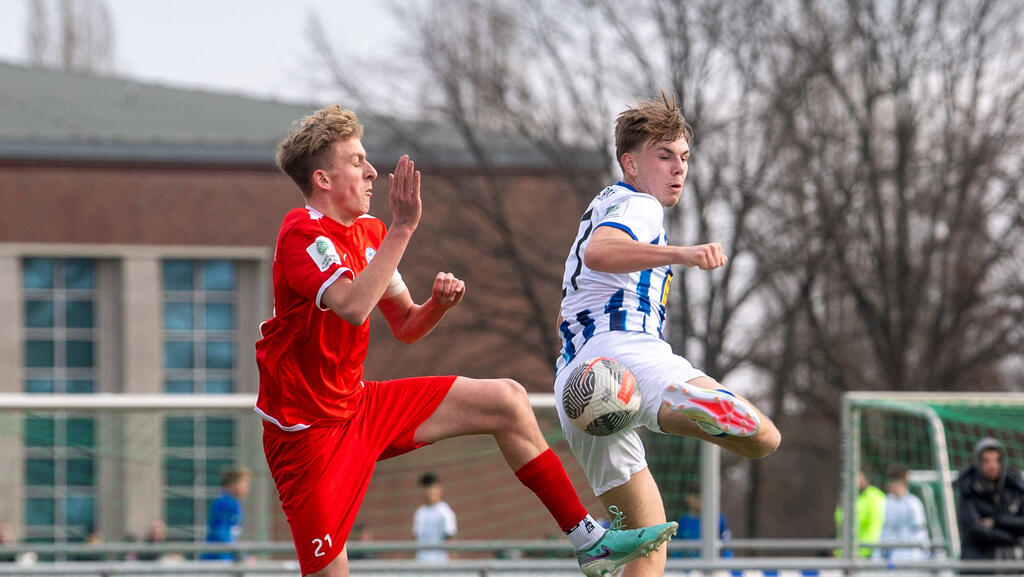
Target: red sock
pixel 546 477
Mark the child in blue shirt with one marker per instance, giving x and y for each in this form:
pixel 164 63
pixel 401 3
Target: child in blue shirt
pixel 225 519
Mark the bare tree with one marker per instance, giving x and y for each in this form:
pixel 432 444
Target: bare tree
pixel 38 36
pixel 901 149
pixel 82 37
pixel 898 209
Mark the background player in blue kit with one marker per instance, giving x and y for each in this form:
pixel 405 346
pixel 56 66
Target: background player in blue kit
pixel 225 519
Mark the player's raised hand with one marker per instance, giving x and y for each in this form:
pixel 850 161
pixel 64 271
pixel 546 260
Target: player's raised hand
pixel 705 256
pixel 448 290
pixel 404 193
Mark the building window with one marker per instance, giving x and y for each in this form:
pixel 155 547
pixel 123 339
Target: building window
pixel 60 357
pixel 200 308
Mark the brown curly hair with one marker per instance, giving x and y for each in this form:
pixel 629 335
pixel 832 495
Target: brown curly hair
pixel 651 121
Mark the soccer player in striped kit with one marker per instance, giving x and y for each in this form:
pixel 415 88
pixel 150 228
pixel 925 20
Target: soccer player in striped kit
pixel 325 427
pixel 615 286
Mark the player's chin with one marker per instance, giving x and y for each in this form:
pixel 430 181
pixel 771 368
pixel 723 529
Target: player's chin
pixel 672 197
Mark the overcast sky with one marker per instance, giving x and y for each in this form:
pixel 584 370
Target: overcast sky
pixel 254 47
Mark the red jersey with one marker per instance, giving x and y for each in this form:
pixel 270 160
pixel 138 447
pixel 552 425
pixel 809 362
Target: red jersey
pixel 310 360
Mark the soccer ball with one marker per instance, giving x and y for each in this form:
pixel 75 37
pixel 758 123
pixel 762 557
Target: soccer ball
pixel 600 397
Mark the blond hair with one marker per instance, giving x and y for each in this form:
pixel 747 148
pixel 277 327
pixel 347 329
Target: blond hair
pixel 308 148
pixel 651 121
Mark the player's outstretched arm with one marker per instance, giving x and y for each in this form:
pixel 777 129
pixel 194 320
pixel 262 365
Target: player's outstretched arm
pixel 612 250
pixel 409 321
pixel 353 300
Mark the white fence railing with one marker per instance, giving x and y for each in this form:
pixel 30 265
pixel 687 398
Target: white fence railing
pixel 788 567
pixel 755 566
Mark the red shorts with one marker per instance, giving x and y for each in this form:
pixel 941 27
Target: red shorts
pixel 322 472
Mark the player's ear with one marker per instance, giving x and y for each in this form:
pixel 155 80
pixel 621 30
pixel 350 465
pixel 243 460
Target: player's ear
pixel 628 162
pixel 320 179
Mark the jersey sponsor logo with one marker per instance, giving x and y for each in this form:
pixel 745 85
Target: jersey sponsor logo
pixel 370 253
pixel 323 253
pixel 617 209
pixel 668 287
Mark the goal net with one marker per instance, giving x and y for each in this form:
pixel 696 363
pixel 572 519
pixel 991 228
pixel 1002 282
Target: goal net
pixel 934 436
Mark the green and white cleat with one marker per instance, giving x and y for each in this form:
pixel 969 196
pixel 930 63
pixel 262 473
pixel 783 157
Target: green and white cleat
pixel 620 546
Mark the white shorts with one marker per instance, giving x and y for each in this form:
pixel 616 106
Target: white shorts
pixel 610 461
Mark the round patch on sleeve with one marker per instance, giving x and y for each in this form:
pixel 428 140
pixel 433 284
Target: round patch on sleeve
pixel 323 253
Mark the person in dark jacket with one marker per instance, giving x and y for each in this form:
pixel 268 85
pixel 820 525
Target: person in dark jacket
pixel 990 505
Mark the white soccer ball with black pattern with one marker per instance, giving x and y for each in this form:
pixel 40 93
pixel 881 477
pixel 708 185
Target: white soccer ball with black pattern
pixel 600 397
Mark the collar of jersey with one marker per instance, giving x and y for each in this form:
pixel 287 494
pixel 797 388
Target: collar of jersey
pixel 314 214
pixel 626 185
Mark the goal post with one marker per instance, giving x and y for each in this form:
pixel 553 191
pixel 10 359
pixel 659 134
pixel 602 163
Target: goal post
pixel 933 435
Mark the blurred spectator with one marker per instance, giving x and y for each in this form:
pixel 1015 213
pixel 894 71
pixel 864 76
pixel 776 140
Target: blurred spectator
pixel 990 505
pixel 904 519
pixel 689 527
pixel 225 520
pixel 6 540
pixel 869 515
pixel 92 537
pixel 130 539
pixel 360 534
pixel 434 521
pixel 516 554
pixel 157 534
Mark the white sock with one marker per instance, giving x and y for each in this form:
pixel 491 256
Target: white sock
pixel 585 533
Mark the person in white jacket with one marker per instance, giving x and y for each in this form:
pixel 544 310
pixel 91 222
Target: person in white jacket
pixel 905 520
pixel 434 521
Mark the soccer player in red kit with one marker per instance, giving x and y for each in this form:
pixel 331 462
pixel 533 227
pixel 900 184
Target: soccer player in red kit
pixel 324 426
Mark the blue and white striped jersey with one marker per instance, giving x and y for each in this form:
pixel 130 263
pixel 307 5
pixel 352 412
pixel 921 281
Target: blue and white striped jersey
pixel 596 302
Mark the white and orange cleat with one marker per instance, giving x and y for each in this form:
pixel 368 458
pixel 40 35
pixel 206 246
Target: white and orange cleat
pixel 717 412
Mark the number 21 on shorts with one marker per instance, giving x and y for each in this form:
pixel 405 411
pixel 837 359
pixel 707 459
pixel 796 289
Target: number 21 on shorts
pixel 320 545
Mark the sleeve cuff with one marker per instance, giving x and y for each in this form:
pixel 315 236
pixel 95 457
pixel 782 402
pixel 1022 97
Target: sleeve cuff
pixel 619 226
pixel 323 288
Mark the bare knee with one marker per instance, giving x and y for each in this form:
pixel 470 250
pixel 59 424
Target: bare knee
pixel 512 402
pixel 765 443
pixel 512 396
pixel 773 441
